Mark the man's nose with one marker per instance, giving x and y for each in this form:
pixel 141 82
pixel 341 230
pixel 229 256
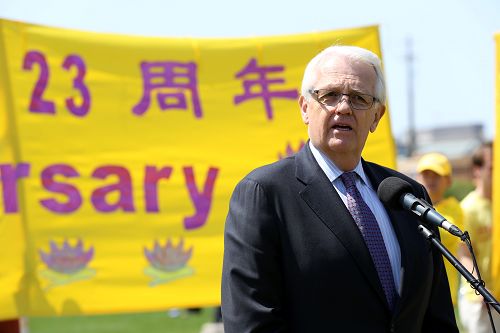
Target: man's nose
pixel 343 106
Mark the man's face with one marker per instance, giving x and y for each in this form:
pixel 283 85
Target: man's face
pixel 486 171
pixel 435 184
pixel 339 131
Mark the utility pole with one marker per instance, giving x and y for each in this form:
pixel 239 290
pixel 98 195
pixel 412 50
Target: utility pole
pixel 409 57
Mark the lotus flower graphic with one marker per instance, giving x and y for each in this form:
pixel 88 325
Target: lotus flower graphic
pixel 289 151
pixel 66 263
pixel 168 262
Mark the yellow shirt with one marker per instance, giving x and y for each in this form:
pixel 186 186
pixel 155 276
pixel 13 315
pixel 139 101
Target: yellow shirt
pixel 451 210
pixel 478 219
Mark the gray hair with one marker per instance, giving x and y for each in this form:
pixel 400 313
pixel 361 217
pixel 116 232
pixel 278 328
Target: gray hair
pixel 353 53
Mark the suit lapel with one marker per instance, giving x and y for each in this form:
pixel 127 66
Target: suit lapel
pixel 322 198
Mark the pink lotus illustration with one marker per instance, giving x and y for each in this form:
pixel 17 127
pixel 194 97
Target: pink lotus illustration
pixel 168 262
pixel 168 258
pixel 289 151
pixel 67 259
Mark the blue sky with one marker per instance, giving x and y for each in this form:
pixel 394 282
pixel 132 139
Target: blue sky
pixel 453 40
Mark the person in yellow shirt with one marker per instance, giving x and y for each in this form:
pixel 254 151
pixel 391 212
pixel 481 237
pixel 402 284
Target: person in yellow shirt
pixel 478 222
pixel 434 172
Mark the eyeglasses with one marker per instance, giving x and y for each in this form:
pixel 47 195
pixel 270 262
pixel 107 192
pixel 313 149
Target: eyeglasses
pixel 332 98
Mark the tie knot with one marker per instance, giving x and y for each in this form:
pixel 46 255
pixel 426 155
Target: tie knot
pixel 349 179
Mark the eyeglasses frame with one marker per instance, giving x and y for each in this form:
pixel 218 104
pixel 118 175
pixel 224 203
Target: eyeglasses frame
pixel 315 94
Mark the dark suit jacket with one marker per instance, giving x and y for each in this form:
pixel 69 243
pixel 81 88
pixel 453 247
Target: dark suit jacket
pixel 295 261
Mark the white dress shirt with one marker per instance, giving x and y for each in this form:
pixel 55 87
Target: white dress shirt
pixel 370 196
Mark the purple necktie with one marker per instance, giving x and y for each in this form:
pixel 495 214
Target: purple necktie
pixel 367 224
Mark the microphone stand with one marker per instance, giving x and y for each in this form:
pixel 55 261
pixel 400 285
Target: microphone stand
pixel 476 284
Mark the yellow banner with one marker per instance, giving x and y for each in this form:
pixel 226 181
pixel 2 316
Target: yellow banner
pixel 120 154
pixel 495 269
pixel 11 226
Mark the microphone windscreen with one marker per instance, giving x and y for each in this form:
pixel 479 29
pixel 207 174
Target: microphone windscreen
pixel 391 189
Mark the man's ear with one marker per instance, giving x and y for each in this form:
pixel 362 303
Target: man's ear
pixel 377 116
pixel 304 112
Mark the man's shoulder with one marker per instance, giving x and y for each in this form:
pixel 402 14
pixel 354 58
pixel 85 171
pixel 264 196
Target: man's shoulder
pixel 451 202
pixel 450 208
pixel 474 202
pixel 384 172
pixel 469 200
pixel 272 172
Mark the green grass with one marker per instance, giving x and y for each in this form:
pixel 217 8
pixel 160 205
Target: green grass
pixel 124 323
pixel 459 189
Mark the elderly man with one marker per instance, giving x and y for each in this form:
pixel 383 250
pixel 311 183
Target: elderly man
pixel 309 247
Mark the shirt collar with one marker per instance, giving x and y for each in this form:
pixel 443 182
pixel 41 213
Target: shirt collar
pixel 331 170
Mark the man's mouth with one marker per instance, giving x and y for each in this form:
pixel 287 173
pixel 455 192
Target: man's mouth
pixel 342 127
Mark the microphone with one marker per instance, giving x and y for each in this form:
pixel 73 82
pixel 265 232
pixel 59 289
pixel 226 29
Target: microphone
pixel 396 192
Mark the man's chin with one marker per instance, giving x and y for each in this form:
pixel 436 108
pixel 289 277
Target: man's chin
pixel 337 145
